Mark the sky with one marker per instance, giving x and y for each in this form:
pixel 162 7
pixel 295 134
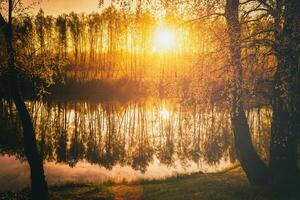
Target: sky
pixel 55 7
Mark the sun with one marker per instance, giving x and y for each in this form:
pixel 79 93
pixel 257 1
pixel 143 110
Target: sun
pixel 164 39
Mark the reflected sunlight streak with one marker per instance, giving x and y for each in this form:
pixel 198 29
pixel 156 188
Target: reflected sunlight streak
pixel 165 113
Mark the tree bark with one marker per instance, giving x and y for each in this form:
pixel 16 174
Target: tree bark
pixel 285 102
pixel 251 163
pixel 38 183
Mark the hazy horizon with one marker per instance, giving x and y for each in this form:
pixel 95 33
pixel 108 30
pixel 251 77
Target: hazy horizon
pixel 55 7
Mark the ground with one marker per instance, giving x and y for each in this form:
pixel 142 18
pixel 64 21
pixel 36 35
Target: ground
pixel 231 184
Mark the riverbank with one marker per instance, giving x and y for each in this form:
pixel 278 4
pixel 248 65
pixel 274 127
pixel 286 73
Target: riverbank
pixel 231 184
pixel 99 90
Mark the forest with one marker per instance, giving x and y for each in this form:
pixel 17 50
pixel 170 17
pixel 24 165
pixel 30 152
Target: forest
pixel 141 93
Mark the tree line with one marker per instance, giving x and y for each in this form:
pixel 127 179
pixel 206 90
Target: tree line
pixel 115 44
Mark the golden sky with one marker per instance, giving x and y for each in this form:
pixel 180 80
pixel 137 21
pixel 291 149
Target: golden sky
pixel 54 7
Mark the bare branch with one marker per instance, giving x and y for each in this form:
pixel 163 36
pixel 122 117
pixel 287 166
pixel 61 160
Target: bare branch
pixel 269 30
pixel 255 19
pixel 268 6
pixel 205 17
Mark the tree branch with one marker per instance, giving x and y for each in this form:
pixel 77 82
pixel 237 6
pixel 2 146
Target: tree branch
pixel 205 17
pixel 268 6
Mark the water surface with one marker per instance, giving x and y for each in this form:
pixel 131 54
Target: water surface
pixel 96 142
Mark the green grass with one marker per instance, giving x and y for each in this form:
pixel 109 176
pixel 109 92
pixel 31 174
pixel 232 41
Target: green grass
pixel 230 184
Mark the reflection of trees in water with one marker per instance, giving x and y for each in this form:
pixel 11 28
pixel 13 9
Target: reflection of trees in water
pixel 142 150
pixel 10 138
pixel 77 147
pixel 219 136
pixel 260 123
pixel 131 133
pixel 165 147
pixel 61 121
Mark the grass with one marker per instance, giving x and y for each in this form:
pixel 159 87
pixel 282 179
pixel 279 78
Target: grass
pixel 231 184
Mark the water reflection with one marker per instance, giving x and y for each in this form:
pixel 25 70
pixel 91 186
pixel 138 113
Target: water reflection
pixel 137 135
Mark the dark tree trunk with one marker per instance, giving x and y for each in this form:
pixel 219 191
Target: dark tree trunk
pixel 251 163
pixel 254 167
pixel 285 104
pixel 38 183
pixel 292 30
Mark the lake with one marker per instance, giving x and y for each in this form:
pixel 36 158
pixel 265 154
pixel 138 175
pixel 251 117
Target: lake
pixel 123 141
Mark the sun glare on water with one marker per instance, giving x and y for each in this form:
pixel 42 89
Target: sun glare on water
pixel 164 113
pixel 164 39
